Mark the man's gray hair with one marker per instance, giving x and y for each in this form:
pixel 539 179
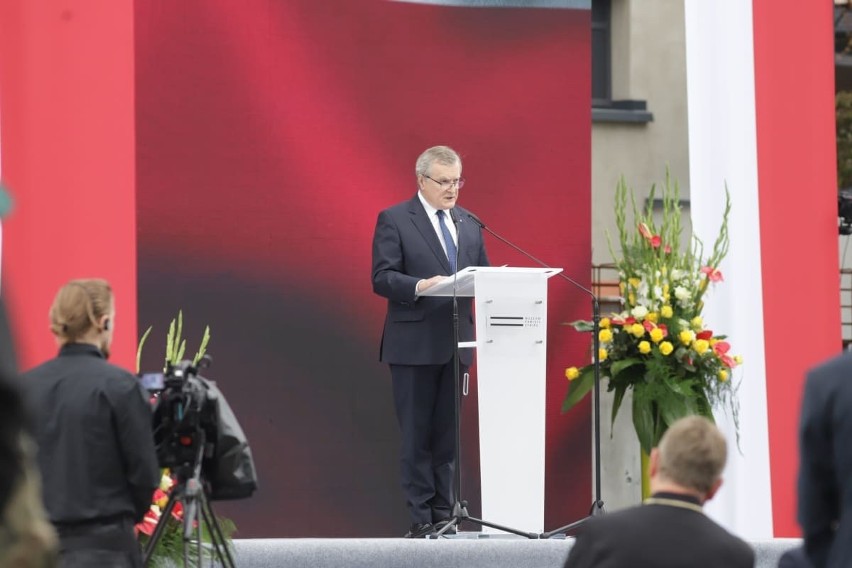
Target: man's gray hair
pixel 442 154
pixel 693 453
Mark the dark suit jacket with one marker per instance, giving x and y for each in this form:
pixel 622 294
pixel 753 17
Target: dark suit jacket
pixel 657 536
pixel 825 468
pixel 406 249
pixel 795 558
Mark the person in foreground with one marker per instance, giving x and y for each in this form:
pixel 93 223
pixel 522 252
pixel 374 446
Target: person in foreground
pixel 670 529
pixel 825 464
pixel 93 430
pixel 417 244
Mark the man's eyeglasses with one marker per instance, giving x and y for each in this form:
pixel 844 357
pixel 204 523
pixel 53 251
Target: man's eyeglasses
pixel 445 185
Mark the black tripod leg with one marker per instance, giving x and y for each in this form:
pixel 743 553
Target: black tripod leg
pixel 217 537
pixel 597 509
pixel 503 528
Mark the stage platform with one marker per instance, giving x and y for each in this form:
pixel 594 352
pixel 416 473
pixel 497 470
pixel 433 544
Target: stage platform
pixel 467 550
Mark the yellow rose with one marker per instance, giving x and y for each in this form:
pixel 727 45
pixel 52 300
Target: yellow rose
pixel 723 375
pixel 644 347
pixel 165 482
pixel 631 299
pixel 652 317
pixel 634 282
pixel 605 335
pixel 637 330
pixel 701 346
pixel 713 341
pixel 666 348
pixel 686 337
pixel 602 354
pixel 162 502
pixel 666 312
pixel 738 359
pixel 656 335
pixel 697 322
pixel 572 373
pixel 605 323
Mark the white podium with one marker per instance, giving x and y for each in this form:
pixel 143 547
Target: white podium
pixel 511 344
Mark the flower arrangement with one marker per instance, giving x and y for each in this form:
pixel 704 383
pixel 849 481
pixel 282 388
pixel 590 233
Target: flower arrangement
pixel 659 345
pixel 170 548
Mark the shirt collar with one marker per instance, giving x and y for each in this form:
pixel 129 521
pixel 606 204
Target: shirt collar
pixel 430 211
pixel 80 349
pixel 676 497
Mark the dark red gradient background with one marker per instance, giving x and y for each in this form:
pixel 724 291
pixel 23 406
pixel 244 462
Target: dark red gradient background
pixel 268 136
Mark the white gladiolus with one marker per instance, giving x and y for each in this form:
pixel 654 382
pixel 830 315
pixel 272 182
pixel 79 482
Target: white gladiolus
pixel 639 312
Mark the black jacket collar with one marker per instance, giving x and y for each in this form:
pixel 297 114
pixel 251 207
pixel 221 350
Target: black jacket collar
pixel 80 349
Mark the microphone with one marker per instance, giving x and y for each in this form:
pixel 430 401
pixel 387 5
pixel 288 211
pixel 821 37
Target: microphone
pixel 598 505
pixel 482 225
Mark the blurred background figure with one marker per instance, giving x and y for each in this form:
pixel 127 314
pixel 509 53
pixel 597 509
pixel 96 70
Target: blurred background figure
pixel 93 429
pixel 26 537
pixel 825 463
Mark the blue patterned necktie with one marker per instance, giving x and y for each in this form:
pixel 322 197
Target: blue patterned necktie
pixel 448 240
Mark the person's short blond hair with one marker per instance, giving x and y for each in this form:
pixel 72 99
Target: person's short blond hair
pixel 692 453
pixel 78 307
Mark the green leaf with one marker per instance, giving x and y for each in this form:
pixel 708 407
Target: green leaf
pixel 672 409
pixel 616 402
pixel 579 388
pixel 139 348
pixel 582 325
pixel 643 423
pixel 618 366
pixel 203 348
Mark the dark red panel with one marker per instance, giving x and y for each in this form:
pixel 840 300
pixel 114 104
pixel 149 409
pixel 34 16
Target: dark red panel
pixel 269 137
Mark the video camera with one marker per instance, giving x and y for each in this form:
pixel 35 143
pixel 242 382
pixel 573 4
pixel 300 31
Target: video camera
pixel 184 416
pixel 191 419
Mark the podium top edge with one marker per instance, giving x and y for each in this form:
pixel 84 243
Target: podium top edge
pixel 514 269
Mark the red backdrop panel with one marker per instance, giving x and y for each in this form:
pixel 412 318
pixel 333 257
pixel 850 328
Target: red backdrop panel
pixel 796 168
pixel 66 127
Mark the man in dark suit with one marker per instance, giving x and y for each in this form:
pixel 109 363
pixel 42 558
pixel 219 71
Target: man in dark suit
pixel 670 530
pixel 417 244
pixel 825 463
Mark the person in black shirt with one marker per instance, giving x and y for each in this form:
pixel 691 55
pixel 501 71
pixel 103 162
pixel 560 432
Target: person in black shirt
pixel 670 530
pixel 93 430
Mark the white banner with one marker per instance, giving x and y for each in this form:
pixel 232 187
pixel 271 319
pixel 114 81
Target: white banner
pixel 723 150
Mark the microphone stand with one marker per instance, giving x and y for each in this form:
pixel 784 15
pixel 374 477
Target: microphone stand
pixel 459 512
pixel 597 507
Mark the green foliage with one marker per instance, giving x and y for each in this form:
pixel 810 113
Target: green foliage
pixel 175 344
pixel 658 346
pixel 843 117
pixel 170 547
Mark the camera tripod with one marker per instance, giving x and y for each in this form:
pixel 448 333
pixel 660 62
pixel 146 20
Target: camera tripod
pixel 190 490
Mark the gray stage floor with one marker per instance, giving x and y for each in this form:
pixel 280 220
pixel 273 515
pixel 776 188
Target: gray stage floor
pixel 467 550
